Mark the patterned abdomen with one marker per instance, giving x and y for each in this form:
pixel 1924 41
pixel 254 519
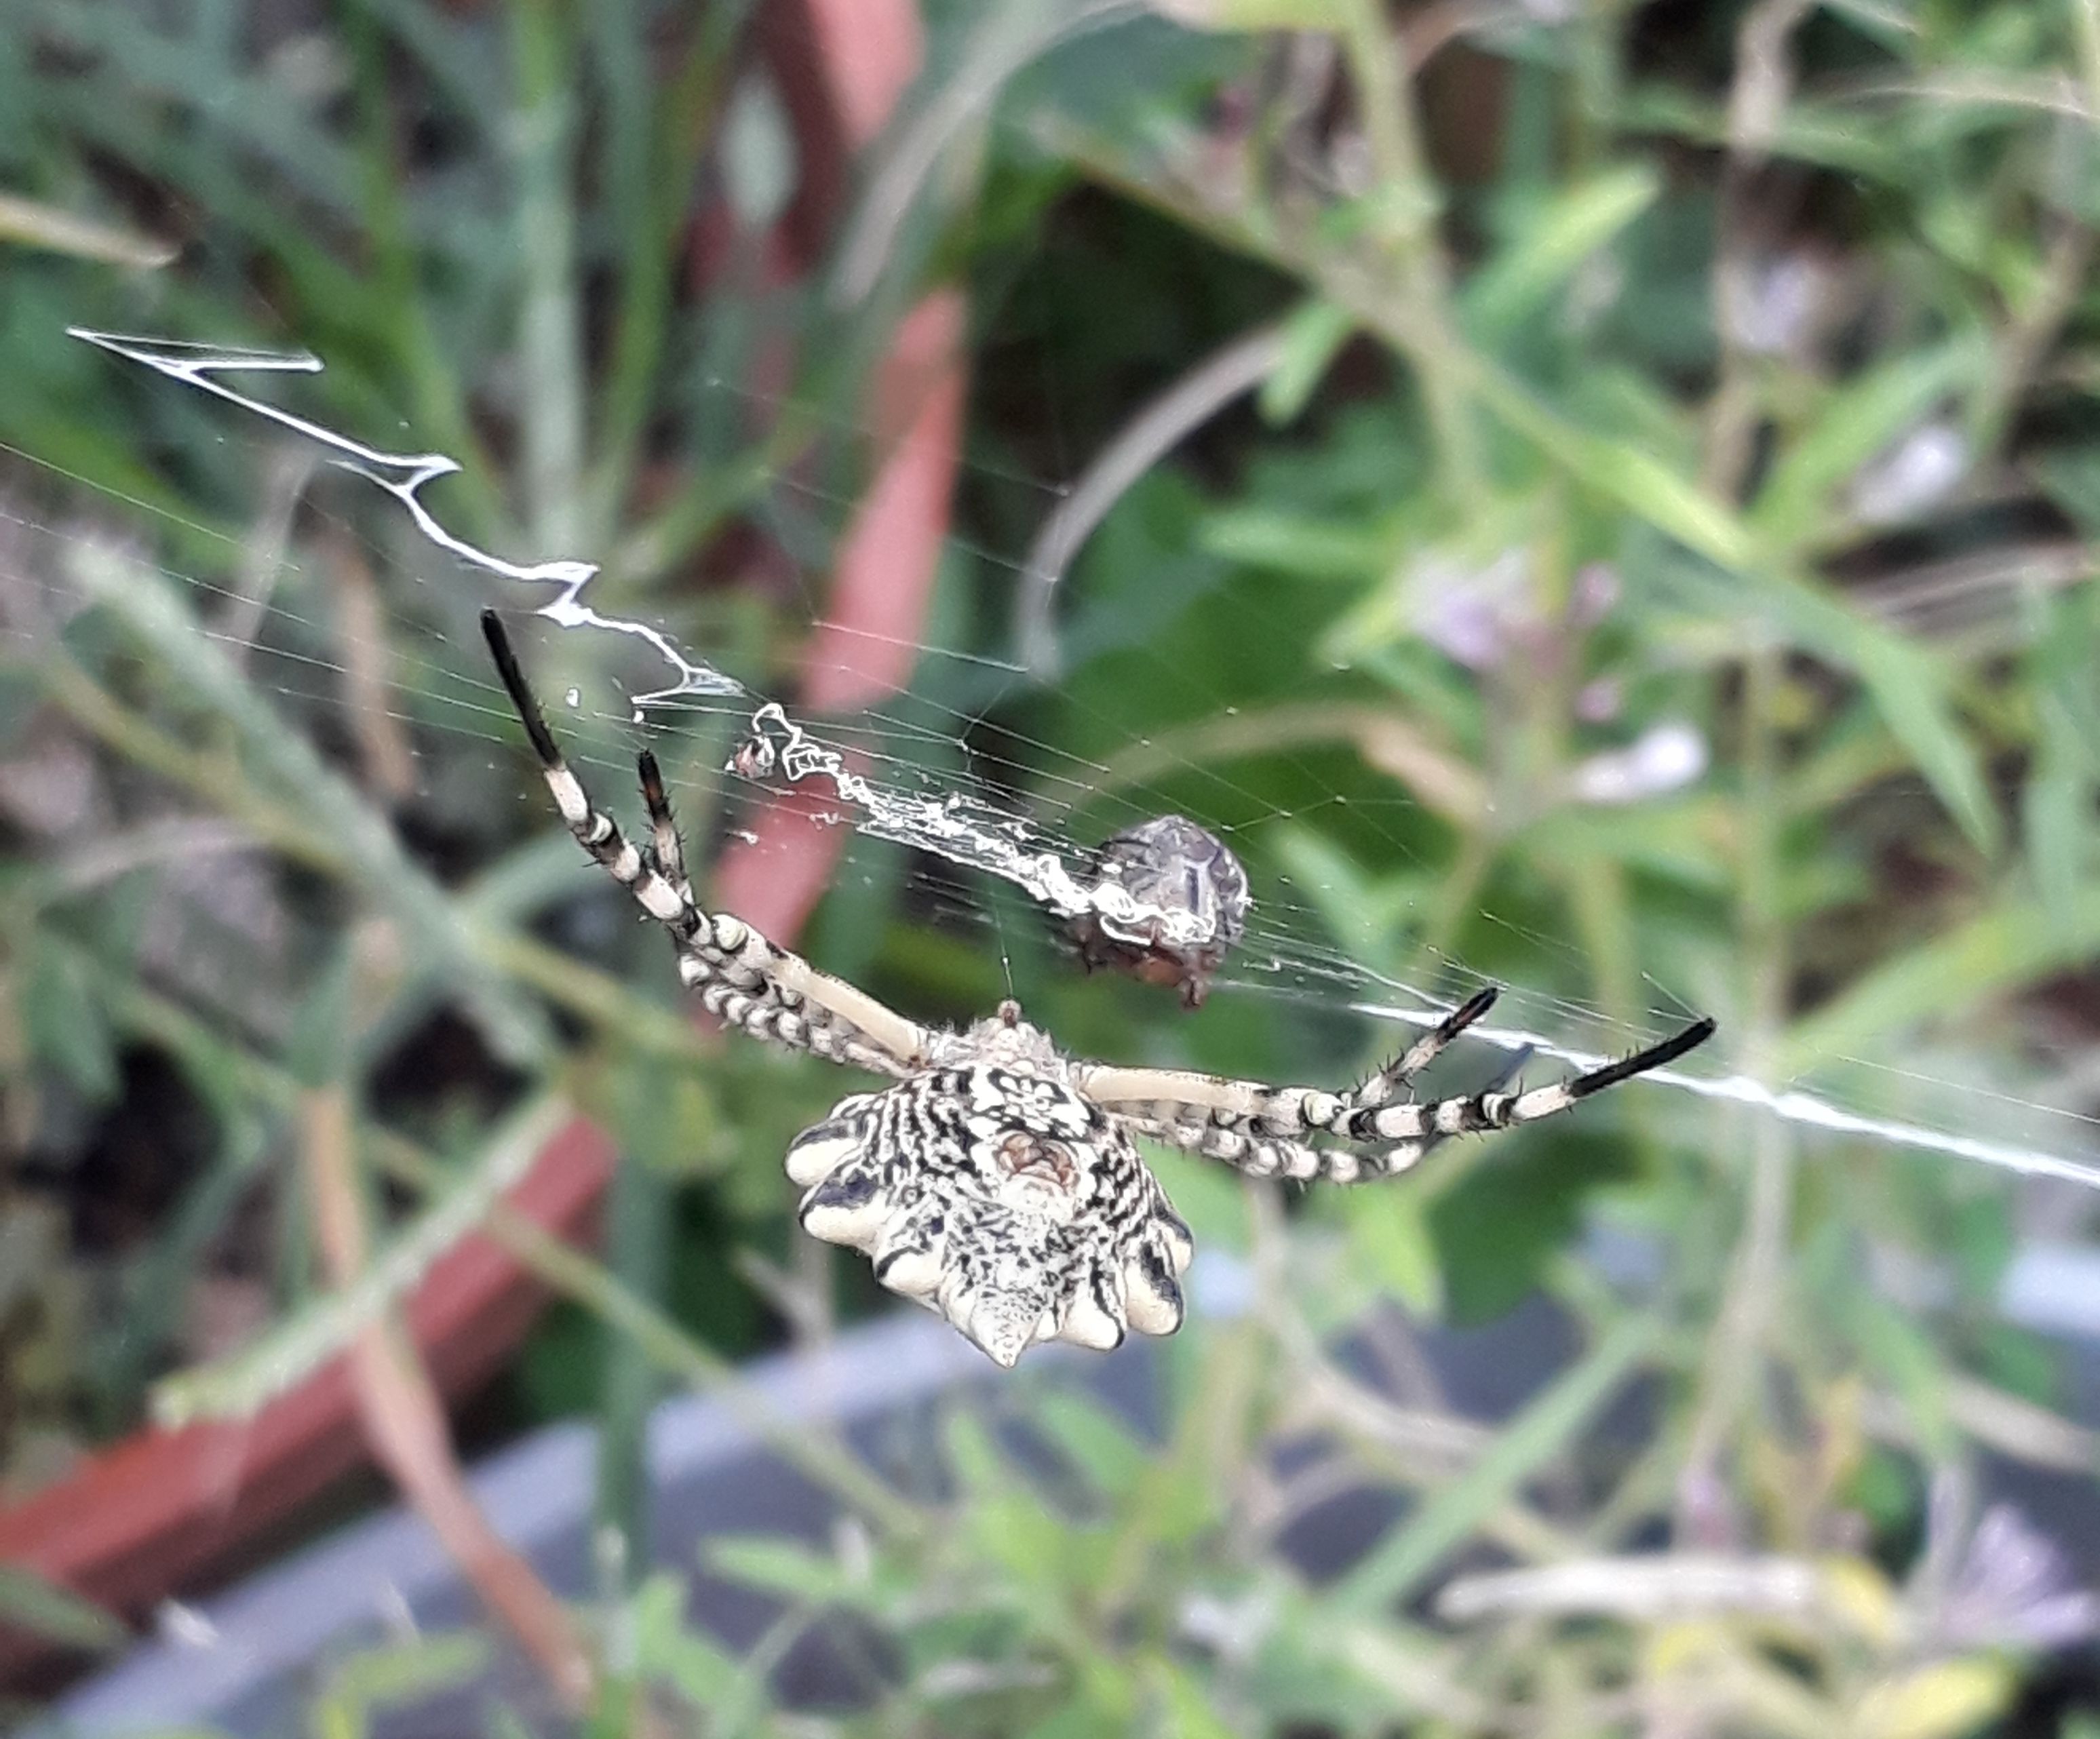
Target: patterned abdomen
pixel 1002 1199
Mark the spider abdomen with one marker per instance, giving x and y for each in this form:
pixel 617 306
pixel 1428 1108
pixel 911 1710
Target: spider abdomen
pixel 1002 1199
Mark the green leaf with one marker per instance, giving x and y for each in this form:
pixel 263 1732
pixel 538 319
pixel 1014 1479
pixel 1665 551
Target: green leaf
pixel 1205 1194
pixel 1007 1520
pixel 1256 14
pixel 29 1603
pixel 1857 422
pixel 1621 472
pixel 1908 691
pixel 1014 1529
pixel 1511 1212
pixel 404 1673
pixel 1313 335
pixel 666 1649
pixel 1098 1442
pixel 1389 1235
pixel 66 1025
pixel 1188 1712
pixel 319 1047
pixel 2057 806
pixel 1554 243
pixel 780 1566
pixel 2011 943
pixel 2056 814
pixel 1400 1563
pixel 1904 1355
pixel 1304 544
pixel 1908 685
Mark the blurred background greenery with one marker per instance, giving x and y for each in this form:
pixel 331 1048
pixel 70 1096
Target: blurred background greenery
pixel 1623 534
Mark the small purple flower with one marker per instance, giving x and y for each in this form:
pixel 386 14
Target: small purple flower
pixel 2006 1586
pixel 1478 616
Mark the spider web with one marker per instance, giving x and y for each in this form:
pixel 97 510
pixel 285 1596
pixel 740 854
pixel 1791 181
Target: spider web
pixel 994 806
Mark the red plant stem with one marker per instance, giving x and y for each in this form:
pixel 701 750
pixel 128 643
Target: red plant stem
pixel 404 1419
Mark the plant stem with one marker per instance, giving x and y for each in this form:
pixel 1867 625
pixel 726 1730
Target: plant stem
pixel 1736 1349
pixel 639 1243
pixel 551 411
pixel 405 1420
pixel 1397 1565
pixel 1409 201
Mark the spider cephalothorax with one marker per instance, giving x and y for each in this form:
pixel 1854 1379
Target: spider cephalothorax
pixel 998 1182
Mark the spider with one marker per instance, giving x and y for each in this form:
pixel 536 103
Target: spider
pixel 998 1182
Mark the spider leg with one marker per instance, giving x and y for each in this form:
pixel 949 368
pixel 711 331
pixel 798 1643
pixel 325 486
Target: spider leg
pixel 1257 1155
pixel 1378 1089
pixel 1477 1113
pixel 1403 1156
pixel 595 831
pixel 663 829
pixel 1178 1101
pixel 742 978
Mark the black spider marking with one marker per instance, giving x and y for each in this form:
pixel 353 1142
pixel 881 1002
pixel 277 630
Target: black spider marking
pixel 1002 1199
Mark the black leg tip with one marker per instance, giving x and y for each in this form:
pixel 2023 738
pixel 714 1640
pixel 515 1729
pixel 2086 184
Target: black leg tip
pixel 507 667
pixel 1469 1011
pixel 652 782
pixel 1655 1057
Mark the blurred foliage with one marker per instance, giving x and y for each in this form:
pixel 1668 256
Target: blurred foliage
pixel 1655 556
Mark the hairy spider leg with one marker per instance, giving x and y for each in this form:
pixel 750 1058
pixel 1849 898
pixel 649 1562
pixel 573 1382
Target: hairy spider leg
pixel 1378 1089
pixel 1279 1156
pixel 1257 1155
pixel 1403 1156
pixel 743 978
pixel 1269 1154
pixel 663 829
pixel 1473 1114
pixel 594 830
pixel 1292 1112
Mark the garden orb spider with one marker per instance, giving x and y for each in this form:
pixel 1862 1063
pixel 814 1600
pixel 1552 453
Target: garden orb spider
pixel 998 1182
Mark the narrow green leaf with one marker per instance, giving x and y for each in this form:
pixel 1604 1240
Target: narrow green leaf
pixel 1311 337
pixel 779 1566
pixel 1311 547
pixel 66 1025
pixel 1256 14
pixel 1188 1711
pixel 1858 420
pixel 1565 232
pixel 375 1679
pixel 2057 807
pixel 318 1048
pixel 1399 1565
pixel 29 1603
pixel 1906 683
pixel 666 1647
pixel 2056 813
pixel 1908 687
pixel 2010 944
pixel 1098 1442
pixel 1390 1235
pixel 1621 472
